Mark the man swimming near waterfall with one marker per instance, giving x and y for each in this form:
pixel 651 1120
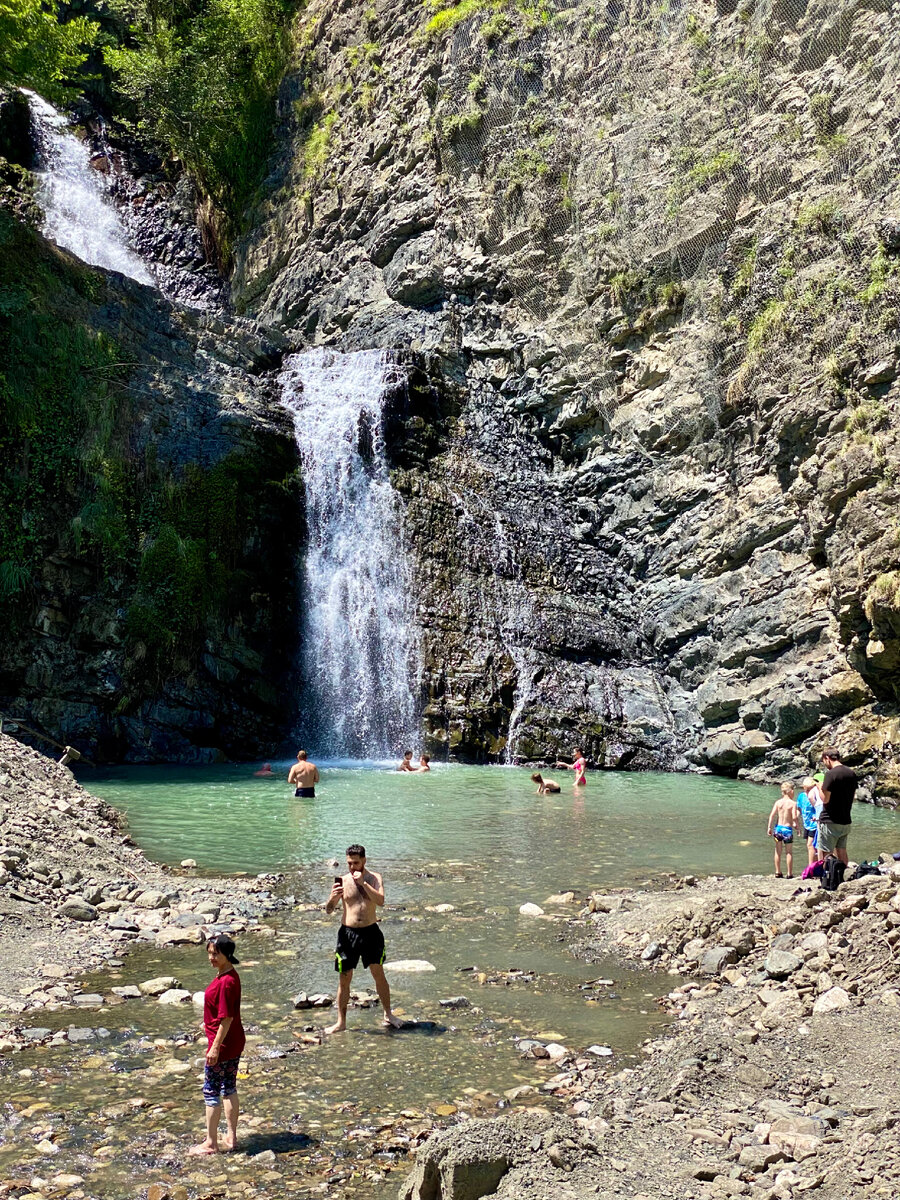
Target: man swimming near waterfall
pixel 304 776
pixel 360 892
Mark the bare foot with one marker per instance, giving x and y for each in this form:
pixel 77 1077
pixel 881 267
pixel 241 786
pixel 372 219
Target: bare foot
pixel 204 1148
pixel 337 1027
pixel 230 1147
pixel 392 1021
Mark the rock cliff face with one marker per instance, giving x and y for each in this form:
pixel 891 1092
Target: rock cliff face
pixel 648 257
pixel 150 517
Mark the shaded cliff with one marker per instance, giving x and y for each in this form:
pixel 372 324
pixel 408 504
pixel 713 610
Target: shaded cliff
pixel 151 516
pixel 649 256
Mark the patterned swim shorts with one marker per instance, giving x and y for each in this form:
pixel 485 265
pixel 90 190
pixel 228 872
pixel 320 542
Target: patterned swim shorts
pixel 220 1079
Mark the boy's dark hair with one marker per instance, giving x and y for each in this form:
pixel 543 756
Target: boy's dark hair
pixel 223 943
pixel 537 779
pixel 356 851
pixel 407 753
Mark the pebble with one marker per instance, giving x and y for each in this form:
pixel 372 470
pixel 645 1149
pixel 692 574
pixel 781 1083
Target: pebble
pixel 531 910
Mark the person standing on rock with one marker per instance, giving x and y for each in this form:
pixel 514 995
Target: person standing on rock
pixel 225 1044
pixel 304 776
pixel 784 822
pixel 807 804
pixel 579 766
pixel 360 892
pixel 838 793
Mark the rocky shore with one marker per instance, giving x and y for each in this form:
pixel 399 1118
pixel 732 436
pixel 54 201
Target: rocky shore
pixel 775 1079
pixel 76 893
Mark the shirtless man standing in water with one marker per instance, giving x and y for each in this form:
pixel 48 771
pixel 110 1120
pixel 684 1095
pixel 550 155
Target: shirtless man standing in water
pixel 304 776
pixel 360 891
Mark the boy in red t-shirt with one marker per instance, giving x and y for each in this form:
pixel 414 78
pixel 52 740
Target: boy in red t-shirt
pixel 225 1043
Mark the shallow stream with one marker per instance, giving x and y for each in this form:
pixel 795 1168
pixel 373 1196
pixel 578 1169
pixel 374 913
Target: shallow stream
pixel 123 1106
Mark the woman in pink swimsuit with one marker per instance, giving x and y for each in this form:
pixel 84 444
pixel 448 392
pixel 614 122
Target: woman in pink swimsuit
pixel 578 766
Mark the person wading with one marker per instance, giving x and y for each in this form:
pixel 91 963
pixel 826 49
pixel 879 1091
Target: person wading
pixel 304 776
pixel 360 892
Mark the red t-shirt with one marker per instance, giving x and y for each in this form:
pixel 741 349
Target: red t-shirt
pixel 220 1000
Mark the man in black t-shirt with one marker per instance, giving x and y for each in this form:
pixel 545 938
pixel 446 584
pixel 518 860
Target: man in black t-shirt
pixel 838 791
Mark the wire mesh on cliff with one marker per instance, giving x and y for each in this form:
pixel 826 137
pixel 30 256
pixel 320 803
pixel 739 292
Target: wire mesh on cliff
pixel 649 164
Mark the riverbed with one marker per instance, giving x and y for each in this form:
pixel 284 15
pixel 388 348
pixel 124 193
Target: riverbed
pixel 461 849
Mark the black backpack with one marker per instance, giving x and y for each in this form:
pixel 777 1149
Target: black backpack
pixel 865 868
pixel 833 873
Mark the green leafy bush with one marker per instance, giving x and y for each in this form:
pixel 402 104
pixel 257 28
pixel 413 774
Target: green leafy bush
pixel 39 51
pixel 201 80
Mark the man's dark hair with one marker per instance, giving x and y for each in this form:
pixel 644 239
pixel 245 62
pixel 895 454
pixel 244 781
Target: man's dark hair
pixel 356 851
pixel 223 943
pixel 830 752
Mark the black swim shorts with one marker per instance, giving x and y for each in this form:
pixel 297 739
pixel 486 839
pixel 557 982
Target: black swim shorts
pixel 306 793
pixel 353 944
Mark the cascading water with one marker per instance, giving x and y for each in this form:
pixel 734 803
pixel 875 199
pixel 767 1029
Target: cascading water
pixel 78 214
pixel 359 646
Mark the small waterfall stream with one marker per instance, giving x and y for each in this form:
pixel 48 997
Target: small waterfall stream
pixel 359 647
pixel 78 213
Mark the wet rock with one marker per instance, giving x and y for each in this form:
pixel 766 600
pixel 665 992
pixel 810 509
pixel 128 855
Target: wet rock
pixel 173 935
pixel 174 996
pixel 456 1002
pixel 79 910
pixel 156 987
pixel 127 992
pixel 78 1033
pixel 651 952
pixel 302 1000
pixel 561 898
pixel 599 1051
pixel 188 863
pixel 87 1000
pixel 531 910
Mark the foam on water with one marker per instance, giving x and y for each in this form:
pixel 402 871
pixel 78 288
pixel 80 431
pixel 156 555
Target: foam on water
pixel 359 646
pixel 78 213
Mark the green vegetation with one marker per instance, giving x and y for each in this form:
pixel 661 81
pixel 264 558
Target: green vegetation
pixel 767 321
pixel 823 217
pixel 883 269
pixel 447 18
pixel 696 32
pixel 507 19
pixel 707 170
pixel 40 51
pixel 884 593
pixel 315 150
pixel 200 82
pixel 176 550
pixel 744 274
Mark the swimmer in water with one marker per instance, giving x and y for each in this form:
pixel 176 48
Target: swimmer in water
pixel 265 773
pixel 545 786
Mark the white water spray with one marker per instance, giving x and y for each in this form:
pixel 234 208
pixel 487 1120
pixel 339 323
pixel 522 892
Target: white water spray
pixel 78 213
pixel 359 647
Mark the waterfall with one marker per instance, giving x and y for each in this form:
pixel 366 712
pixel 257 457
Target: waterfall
pixel 78 213
pixel 359 646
